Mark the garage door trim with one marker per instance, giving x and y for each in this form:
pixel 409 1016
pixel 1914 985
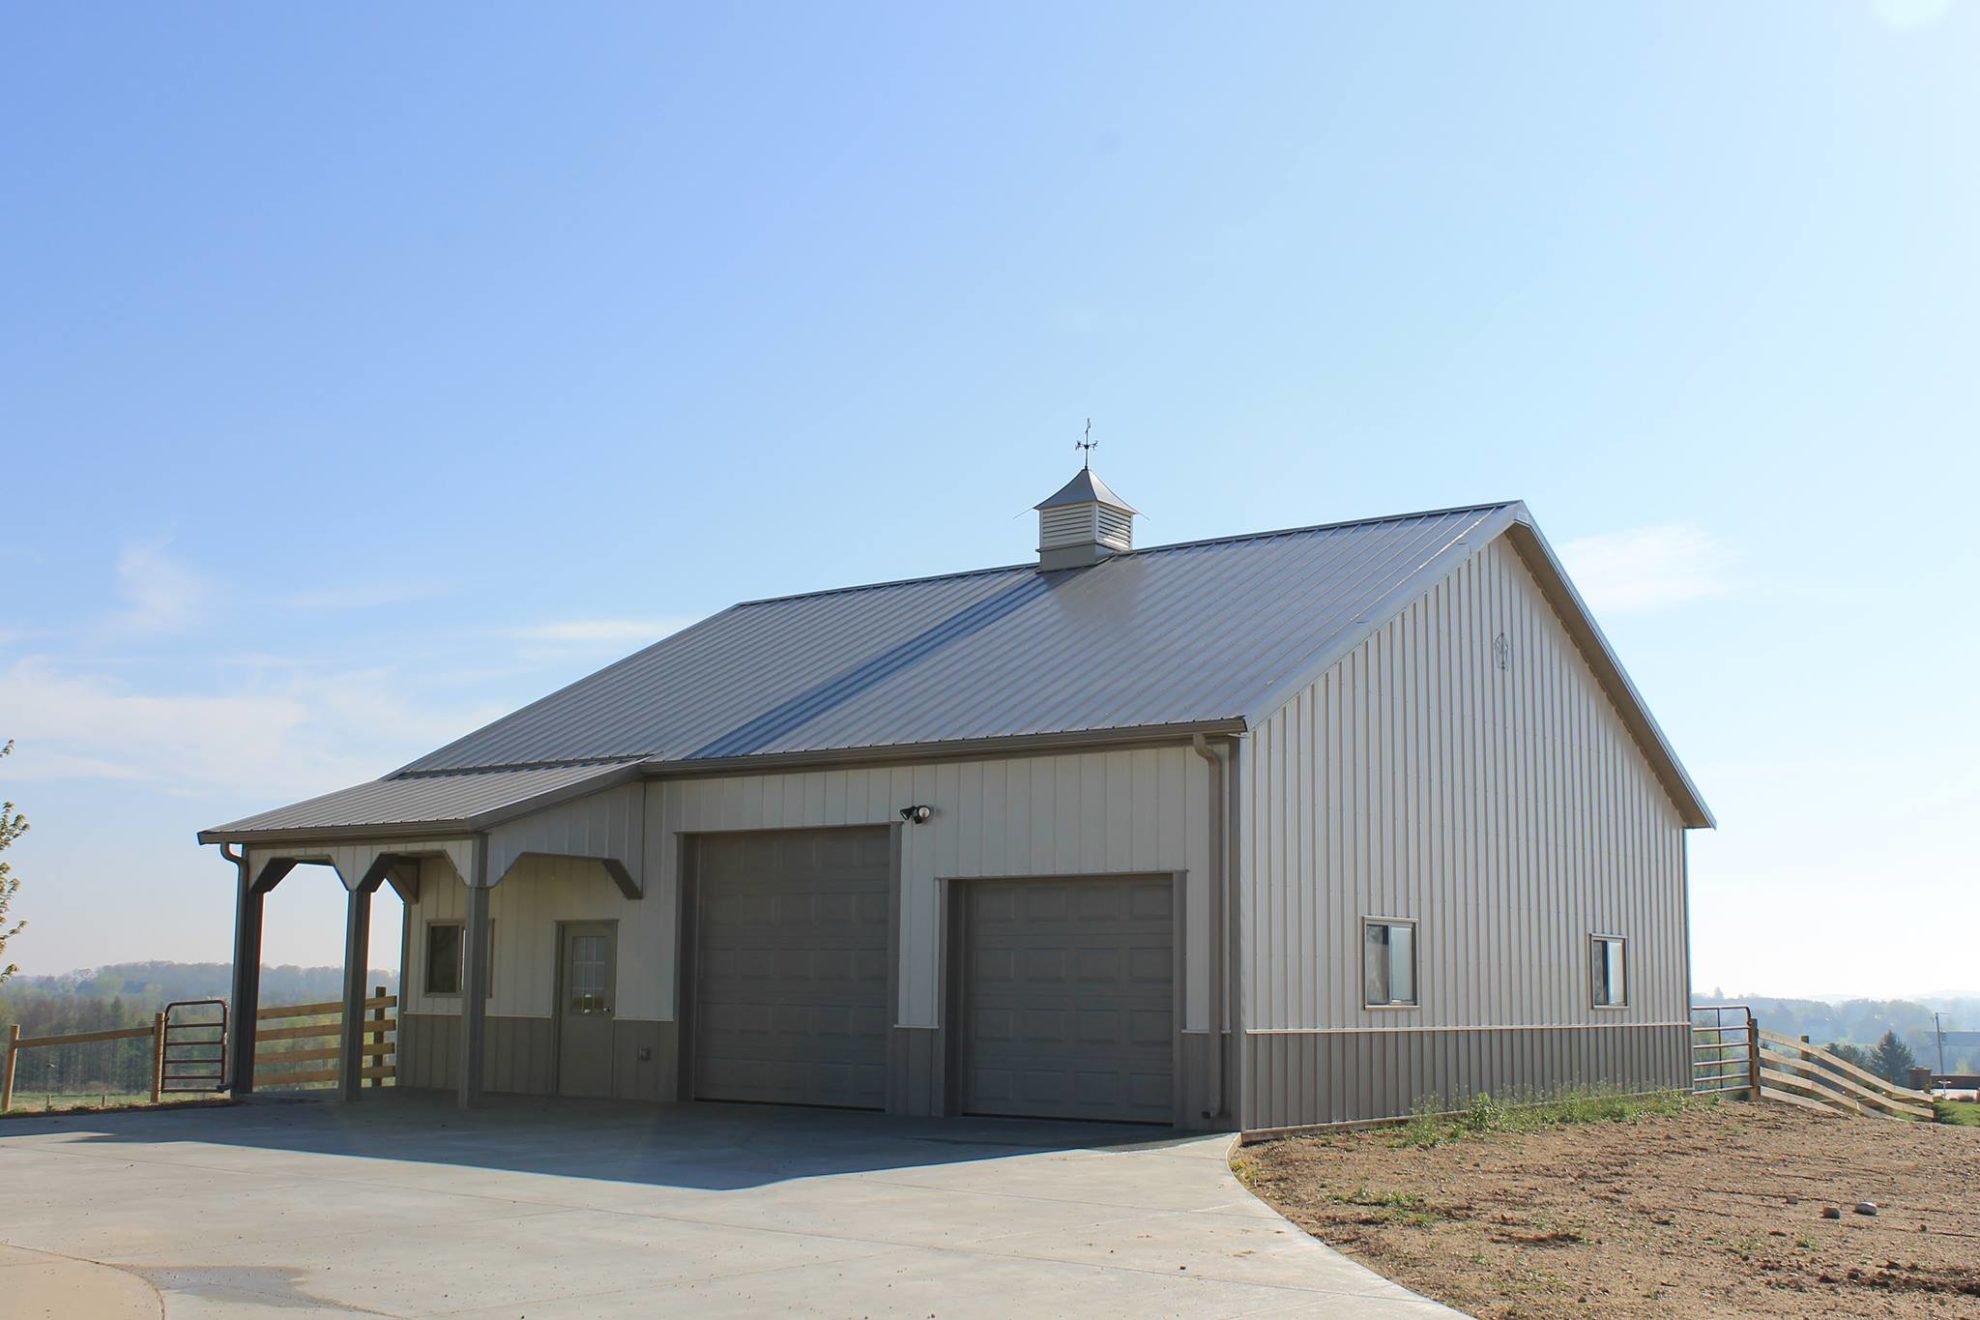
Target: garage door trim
pixel 954 958
pixel 687 940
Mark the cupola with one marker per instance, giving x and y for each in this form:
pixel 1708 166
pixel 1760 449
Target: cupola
pixel 1083 524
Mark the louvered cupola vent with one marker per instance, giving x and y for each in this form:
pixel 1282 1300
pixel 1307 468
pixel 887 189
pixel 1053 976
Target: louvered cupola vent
pixel 1083 524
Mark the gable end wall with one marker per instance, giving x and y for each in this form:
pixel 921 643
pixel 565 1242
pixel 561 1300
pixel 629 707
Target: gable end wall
pixel 1508 812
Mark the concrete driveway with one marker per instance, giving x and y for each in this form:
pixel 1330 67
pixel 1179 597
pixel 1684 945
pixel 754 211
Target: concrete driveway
pixel 402 1207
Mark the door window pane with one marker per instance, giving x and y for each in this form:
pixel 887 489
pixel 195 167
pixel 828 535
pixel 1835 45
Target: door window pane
pixel 587 973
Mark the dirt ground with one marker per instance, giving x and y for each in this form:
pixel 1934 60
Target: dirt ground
pixel 1713 1212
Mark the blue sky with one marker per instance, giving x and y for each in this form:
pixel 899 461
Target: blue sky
pixel 366 371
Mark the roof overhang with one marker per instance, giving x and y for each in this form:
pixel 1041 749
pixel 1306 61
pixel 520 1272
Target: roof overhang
pixel 382 823
pixel 384 829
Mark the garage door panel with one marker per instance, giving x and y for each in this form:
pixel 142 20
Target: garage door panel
pixel 792 962
pixel 1068 989
pixel 1098 1026
pixel 1042 965
pixel 1100 964
pixel 1043 903
pixel 1150 966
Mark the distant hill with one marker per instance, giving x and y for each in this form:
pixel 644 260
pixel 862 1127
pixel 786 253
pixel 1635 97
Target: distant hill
pixel 152 985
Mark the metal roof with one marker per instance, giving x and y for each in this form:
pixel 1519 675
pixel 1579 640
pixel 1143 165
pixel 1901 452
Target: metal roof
pixel 1171 635
pixel 1206 636
pixel 428 804
pixel 1085 488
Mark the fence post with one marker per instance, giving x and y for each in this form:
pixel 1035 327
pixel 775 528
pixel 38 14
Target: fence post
pixel 157 1057
pixel 13 1056
pixel 1753 1056
pixel 377 1037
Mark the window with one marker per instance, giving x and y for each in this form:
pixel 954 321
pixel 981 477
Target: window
pixel 1607 963
pixel 1388 963
pixel 445 946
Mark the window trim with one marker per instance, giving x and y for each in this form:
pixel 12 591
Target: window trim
pixel 1415 965
pixel 1595 941
pixel 426 958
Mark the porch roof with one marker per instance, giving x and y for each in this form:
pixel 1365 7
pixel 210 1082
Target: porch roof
pixel 422 806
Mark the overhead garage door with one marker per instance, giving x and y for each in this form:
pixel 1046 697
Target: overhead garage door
pixel 791 967
pixel 1068 999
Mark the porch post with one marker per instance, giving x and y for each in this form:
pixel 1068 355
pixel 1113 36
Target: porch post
pixel 246 1000
pixel 474 977
pixel 357 956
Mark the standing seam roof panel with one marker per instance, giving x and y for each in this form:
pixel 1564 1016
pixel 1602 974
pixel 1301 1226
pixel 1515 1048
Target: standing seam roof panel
pixel 1167 635
pixel 1110 688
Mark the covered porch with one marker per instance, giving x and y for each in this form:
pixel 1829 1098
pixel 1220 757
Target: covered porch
pixel 447 843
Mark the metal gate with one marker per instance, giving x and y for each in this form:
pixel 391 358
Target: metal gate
pixel 192 1047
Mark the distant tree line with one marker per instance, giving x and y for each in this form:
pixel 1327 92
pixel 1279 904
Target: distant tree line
pixel 1887 1036
pixel 129 995
pixel 159 983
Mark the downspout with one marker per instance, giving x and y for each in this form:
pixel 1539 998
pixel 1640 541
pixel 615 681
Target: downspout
pixel 1234 942
pixel 241 1002
pixel 1219 760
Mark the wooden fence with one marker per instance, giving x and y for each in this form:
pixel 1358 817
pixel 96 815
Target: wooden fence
pixel 1797 1073
pixel 15 1045
pixel 319 1043
pixel 1732 1056
pixel 316 1043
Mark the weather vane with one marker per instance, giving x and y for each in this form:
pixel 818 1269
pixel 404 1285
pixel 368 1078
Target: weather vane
pixel 1087 445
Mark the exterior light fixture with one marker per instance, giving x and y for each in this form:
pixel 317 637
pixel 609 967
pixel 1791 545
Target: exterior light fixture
pixel 917 815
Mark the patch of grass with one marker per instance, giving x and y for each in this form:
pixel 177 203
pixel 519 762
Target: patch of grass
pixel 1428 1126
pixel 39 1102
pixel 1398 1200
pixel 96 1103
pixel 1406 1208
pixel 1962 1113
pixel 1433 1123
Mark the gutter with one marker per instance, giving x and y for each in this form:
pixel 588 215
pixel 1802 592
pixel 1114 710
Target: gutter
pixel 1038 744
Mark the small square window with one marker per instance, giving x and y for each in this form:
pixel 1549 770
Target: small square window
pixel 1388 963
pixel 445 961
pixel 1608 965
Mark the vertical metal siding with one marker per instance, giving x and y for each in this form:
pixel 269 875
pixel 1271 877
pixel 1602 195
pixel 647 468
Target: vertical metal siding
pixel 1140 810
pixel 1363 1075
pixel 1508 811
pixel 610 823
pixel 1084 813
pixel 525 909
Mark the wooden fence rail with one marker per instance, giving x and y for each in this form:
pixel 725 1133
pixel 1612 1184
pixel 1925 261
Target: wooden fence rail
pixel 15 1045
pixel 1732 1056
pixel 378 1053
pixel 1799 1073
pixel 321 1042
